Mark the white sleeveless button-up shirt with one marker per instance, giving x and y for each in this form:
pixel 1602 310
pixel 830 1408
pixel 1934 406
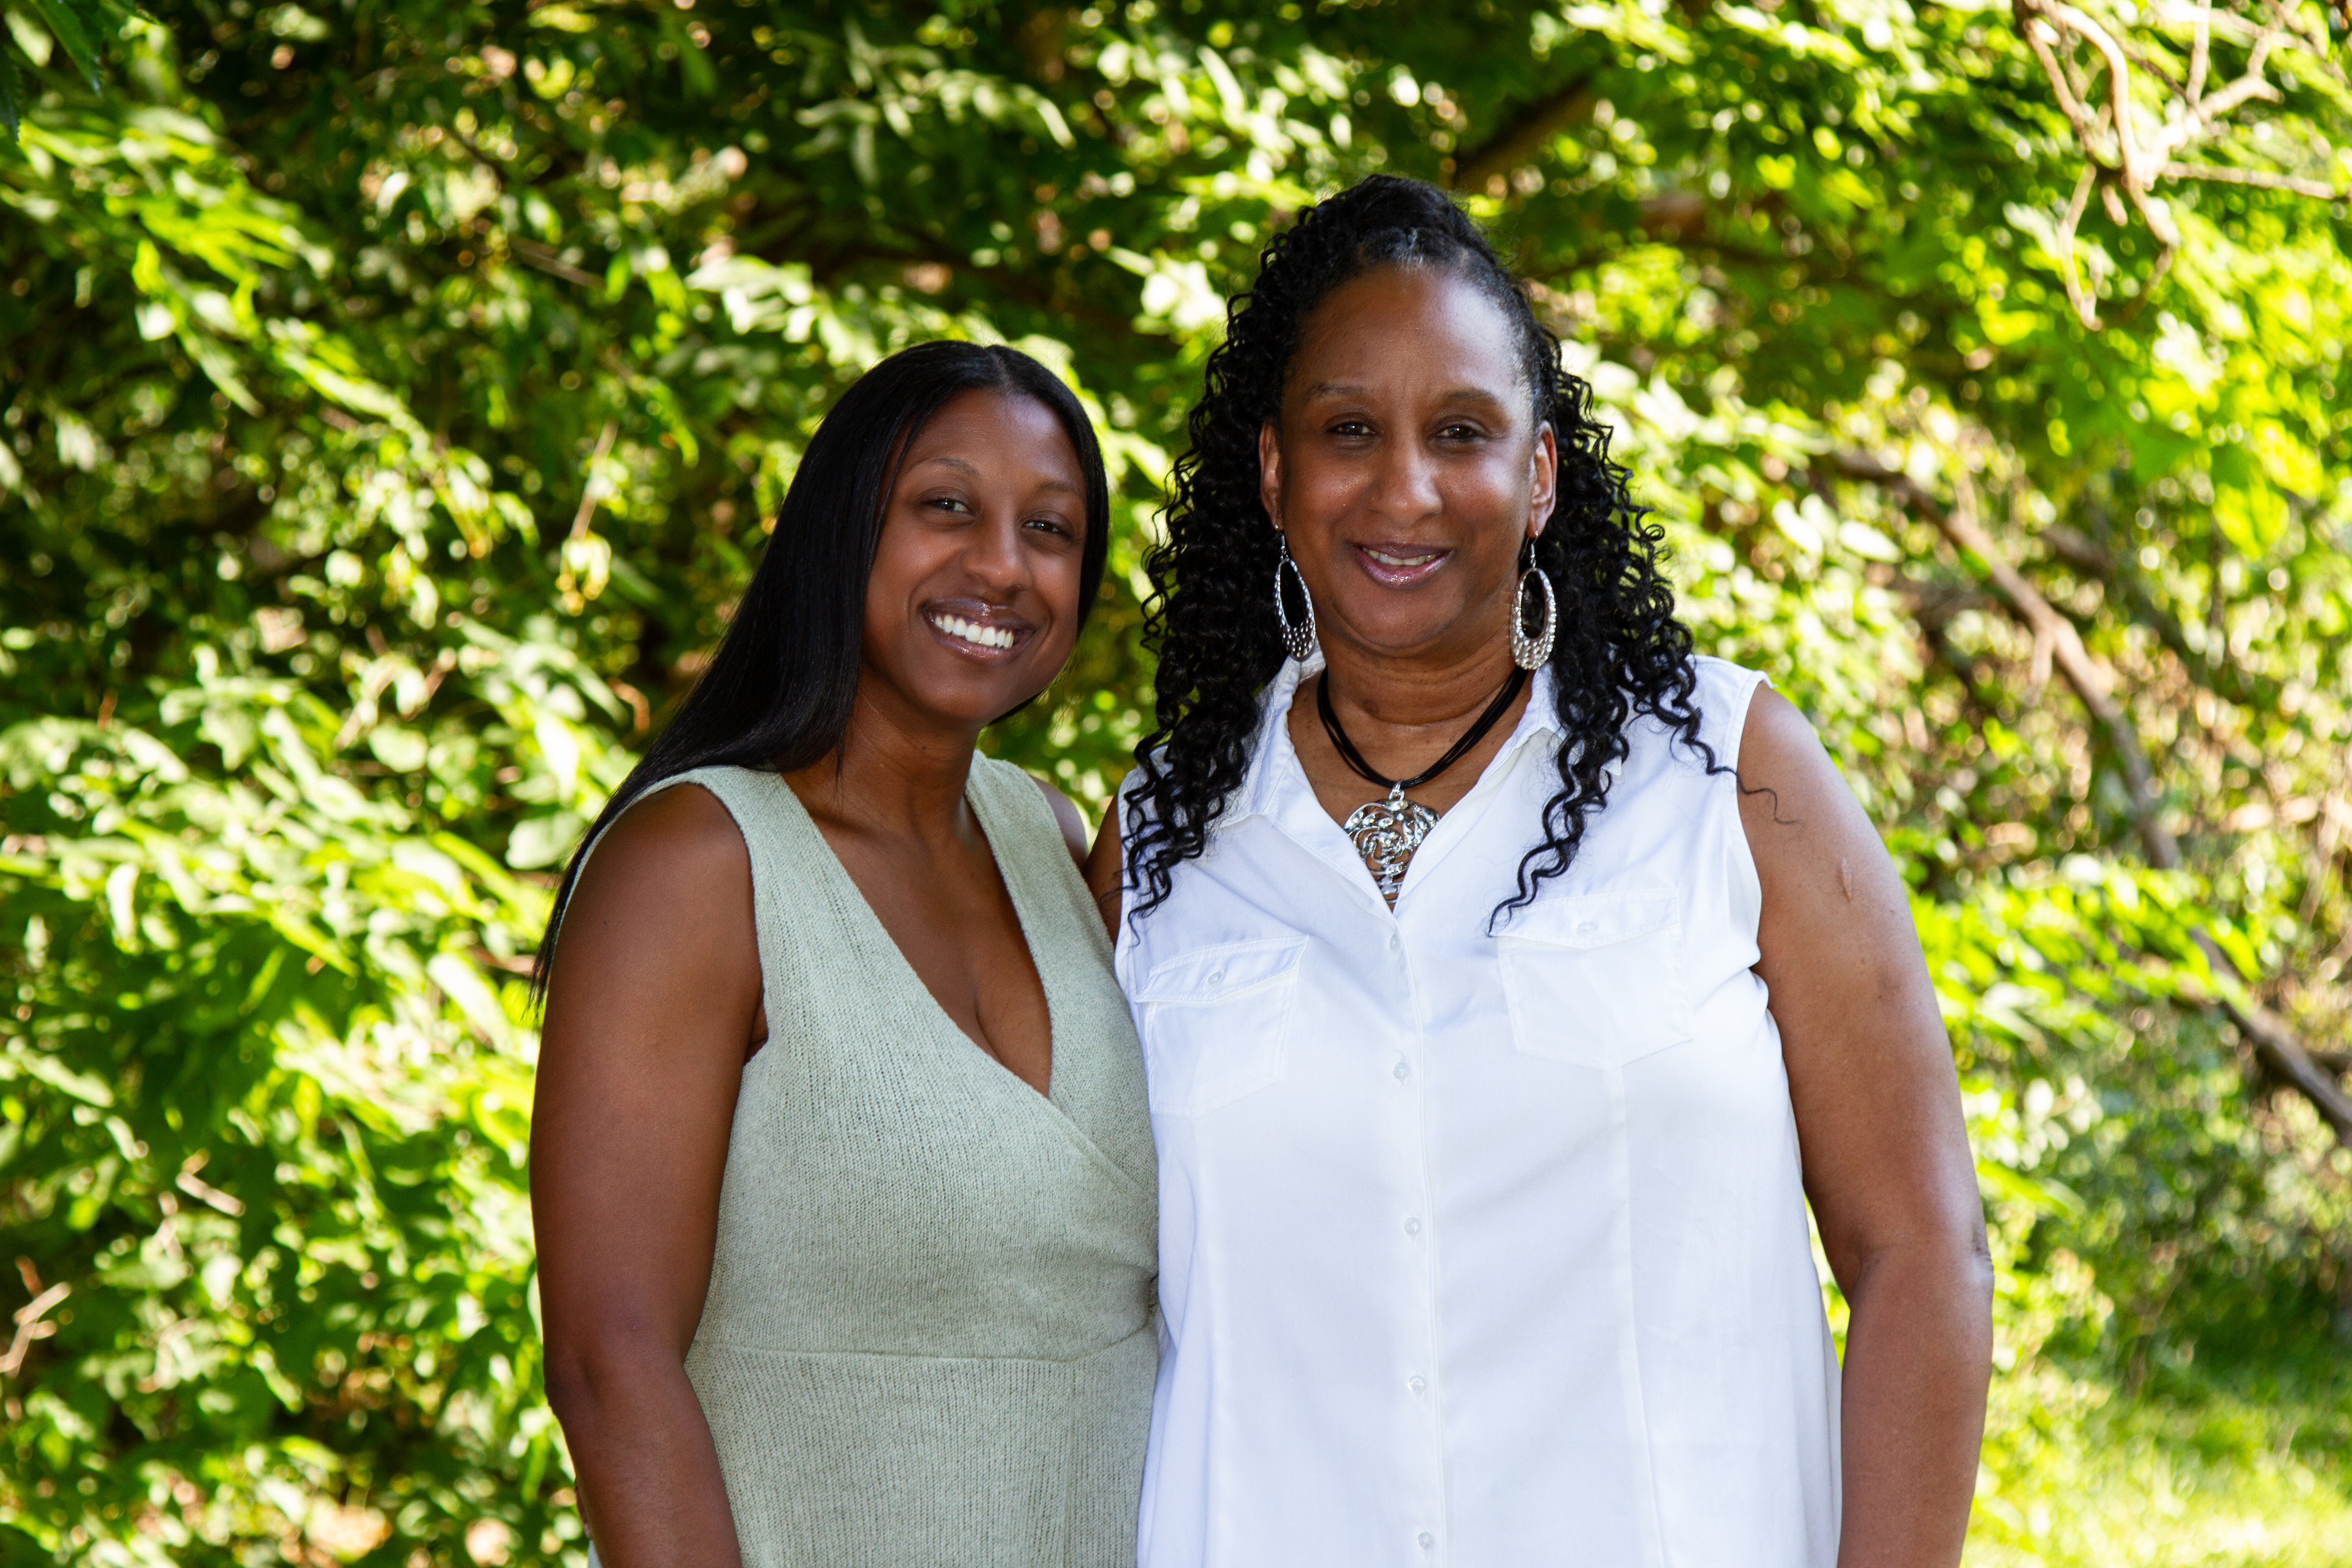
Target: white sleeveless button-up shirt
pixel 1481 1249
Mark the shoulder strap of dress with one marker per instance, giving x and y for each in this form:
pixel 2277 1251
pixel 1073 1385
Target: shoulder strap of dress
pixel 1030 848
pixel 774 826
pixel 1014 812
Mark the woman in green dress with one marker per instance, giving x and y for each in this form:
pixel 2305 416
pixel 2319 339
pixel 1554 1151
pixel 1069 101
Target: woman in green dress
pixel 840 1160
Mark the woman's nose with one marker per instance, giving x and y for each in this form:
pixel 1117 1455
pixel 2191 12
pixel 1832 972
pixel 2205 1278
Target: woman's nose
pixel 1405 485
pixel 994 555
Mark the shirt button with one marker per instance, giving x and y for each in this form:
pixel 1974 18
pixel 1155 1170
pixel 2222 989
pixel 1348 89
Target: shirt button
pixel 1404 1071
pixel 1395 941
pixel 1427 1541
pixel 1218 978
pixel 1413 1227
pixel 1418 1385
pixel 1587 929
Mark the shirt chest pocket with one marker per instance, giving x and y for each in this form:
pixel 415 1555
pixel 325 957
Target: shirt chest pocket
pixel 1213 1022
pixel 1597 979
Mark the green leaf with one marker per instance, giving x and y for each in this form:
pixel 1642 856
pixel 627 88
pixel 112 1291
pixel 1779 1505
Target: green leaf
pixel 12 96
pixel 76 24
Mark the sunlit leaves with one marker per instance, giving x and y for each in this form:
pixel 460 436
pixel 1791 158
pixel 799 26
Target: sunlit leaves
pixel 391 397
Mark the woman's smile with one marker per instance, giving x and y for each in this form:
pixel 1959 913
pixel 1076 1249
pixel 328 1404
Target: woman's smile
pixel 1401 565
pixel 975 596
pixel 977 630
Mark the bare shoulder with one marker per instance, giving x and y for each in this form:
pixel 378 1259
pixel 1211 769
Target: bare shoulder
pixel 1817 853
pixel 665 877
pixel 1778 741
pixel 1067 818
pixel 675 842
pixel 1790 790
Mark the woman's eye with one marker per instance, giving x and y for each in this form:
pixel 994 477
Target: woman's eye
pixel 1460 433
pixel 1352 427
pixel 949 503
pixel 1052 525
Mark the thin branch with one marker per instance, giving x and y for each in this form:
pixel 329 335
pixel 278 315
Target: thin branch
pixel 2041 34
pixel 593 490
pixel 533 254
pixel 2123 159
pixel 2085 306
pixel 2221 175
pixel 2127 156
pixel 2246 87
pixel 1525 137
pixel 2272 1039
pixel 2200 51
pixel 2219 677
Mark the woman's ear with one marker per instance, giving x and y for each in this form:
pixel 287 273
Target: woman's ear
pixel 1543 474
pixel 1269 472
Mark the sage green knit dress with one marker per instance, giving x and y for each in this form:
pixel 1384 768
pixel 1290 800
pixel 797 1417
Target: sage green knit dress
pixel 928 1337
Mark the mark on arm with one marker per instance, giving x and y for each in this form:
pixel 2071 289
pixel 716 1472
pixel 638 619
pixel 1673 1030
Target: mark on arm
pixel 1845 877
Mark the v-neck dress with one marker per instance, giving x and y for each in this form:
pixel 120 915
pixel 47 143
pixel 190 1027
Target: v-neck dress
pixel 929 1335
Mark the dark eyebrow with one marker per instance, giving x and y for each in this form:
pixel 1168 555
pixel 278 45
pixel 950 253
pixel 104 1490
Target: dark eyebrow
pixel 1349 389
pixel 967 467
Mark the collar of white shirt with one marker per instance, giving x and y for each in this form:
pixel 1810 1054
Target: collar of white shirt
pixel 1276 788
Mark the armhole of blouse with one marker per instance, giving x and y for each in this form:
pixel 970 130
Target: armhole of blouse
pixel 1746 886
pixel 1736 731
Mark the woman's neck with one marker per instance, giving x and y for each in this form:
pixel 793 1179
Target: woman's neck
pixel 894 774
pixel 1401 715
pixel 1385 699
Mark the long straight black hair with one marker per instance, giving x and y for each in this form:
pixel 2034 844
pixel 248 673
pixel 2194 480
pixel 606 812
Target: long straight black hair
pixel 779 692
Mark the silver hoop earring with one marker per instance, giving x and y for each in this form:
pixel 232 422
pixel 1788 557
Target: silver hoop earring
pixel 1298 636
pixel 1533 652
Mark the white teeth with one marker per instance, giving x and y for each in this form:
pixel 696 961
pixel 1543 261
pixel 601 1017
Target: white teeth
pixel 973 632
pixel 1406 561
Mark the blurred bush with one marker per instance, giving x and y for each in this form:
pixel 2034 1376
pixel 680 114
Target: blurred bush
pixel 390 399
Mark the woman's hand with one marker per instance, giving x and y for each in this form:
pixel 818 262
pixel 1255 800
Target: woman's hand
pixel 654 1005
pixel 1885 1151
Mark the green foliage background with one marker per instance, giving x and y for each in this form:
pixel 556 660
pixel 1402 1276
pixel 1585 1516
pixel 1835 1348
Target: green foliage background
pixel 391 396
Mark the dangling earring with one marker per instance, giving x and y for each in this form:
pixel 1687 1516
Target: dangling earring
pixel 1297 637
pixel 1533 652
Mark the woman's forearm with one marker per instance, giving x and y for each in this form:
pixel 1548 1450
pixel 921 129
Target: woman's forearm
pixel 1919 1353
pixel 650 1486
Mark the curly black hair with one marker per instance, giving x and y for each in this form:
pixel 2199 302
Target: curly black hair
pixel 1620 652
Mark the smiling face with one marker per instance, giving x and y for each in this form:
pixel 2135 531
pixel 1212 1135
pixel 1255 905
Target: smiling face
pixel 1406 468
pixel 973 604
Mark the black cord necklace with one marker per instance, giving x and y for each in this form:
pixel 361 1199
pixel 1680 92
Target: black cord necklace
pixel 1387 831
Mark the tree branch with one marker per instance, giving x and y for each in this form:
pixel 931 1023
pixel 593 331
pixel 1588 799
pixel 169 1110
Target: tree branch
pixel 1524 137
pixel 2285 1057
pixel 2217 676
pixel 530 253
pixel 2223 174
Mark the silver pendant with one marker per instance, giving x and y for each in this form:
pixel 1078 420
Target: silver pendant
pixel 1386 832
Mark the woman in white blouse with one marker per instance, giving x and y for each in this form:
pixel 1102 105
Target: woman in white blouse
pixel 1509 979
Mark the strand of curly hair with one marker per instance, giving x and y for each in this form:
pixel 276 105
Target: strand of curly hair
pixel 1620 652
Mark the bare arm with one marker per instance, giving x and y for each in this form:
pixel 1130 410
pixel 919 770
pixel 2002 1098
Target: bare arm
pixel 1103 870
pixel 1885 1151
pixel 654 1001
pixel 1068 818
